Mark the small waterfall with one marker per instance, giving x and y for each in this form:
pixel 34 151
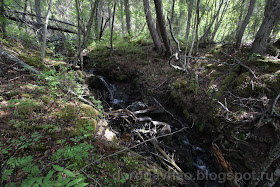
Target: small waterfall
pixel 115 96
pixel 111 94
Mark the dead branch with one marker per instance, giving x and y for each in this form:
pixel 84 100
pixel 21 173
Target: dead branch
pixel 33 15
pixel 37 24
pixel 241 64
pixel 182 125
pixel 172 162
pixel 173 35
pixel 225 166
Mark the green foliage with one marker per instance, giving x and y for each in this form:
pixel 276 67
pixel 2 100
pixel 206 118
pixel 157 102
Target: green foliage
pixel 75 153
pixel 24 107
pixel 57 177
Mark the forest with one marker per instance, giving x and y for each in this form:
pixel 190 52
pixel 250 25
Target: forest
pixel 140 93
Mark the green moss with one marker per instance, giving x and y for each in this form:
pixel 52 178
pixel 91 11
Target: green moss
pixel 67 112
pixel 47 99
pixel 27 106
pixel 88 111
pixel 225 83
pixel 11 94
pixel 41 147
pixel 89 123
pixel 179 83
pixel 33 60
pixel 272 50
pixel 26 95
pixel 267 64
pixel 272 81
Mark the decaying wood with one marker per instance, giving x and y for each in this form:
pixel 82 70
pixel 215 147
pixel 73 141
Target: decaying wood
pixel 34 15
pixel 225 166
pixel 37 24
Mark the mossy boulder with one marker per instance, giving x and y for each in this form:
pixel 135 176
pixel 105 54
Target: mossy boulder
pixel 89 124
pixel 88 111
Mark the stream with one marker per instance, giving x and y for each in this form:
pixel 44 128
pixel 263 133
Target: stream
pixel 134 120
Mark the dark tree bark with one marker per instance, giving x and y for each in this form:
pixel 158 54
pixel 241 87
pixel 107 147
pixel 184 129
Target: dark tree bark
pixel 112 28
pixel 190 10
pixel 97 18
pixel 151 26
pixel 122 22
pixel 127 15
pixel 197 24
pixel 172 11
pixel 272 13
pixel 24 10
pixel 3 24
pixel 38 19
pixel 244 24
pixel 162 26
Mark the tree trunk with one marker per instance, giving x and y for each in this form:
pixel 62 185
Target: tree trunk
pixel 97 18
pixel 127 15
pixel 112 29
pixel 3 24
pixel 44 45
pixel 219 21
pixel 151 26
pixel 85 33
pixel 197 24
pixel 77 4
pixel 172 11
pixel 38 19
pixel 190 10
pixel 122 22
pixel 24 10
pixel 204 38
pixel 244 24
pixel 240 15
pixel 272 13
pixel 162 26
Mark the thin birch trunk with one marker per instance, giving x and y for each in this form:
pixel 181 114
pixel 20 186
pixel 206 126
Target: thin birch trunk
pixel 44 45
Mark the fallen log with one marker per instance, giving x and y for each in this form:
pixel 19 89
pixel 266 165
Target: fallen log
pixel 38 24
